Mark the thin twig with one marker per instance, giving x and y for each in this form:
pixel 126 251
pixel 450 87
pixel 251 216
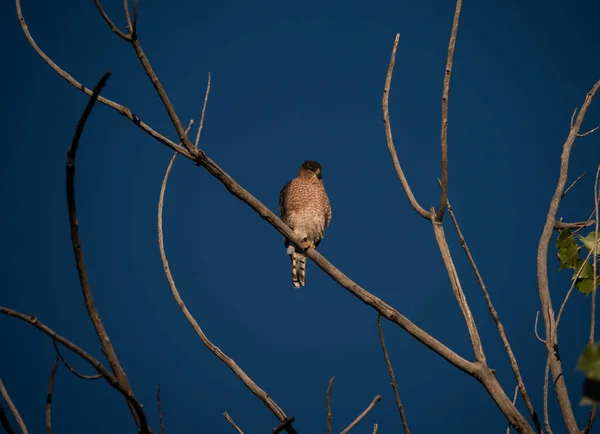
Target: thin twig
pixel 375 428
pixel 328 399
pixel 535 328
pixel 135 13
pixel 392 377
pixel 591 419
pixel 49 397
pixel 564 303
pixel 388 135
pixel 5 422
pixel 558 378
pixel 494 314
pixel 573 184
pixel 546 379
pixel 233 424
pixel 110 23
pixel 576 225
pixel 88 298
pixel 128 18
pixel 589 132
pixel 111 379
pixel 573 117
pixel 70 369
pixel 203 112
pixel 362 415
pixel 160 414
pixel 248 382
pixel 445 96
pixel 12 407
pixel 514 402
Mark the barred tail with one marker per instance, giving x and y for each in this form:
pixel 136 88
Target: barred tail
pixel 298 269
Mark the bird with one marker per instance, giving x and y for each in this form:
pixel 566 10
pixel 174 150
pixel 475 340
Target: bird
pixel 305 208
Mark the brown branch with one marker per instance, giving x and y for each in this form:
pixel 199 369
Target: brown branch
pixel 573 184
pixel 160 414
pixel 362 415
pixel 107 348
pixel 546 416
pixel 392 377
pixel 535 328
pixel 375 428
pixel 248 382
pixel 70 369
pixel 445 96
pixel 514 402
pixel 115 106
pixel 388 135
pixel 128 19
pixel 496 318
pixel 49 398
pixel 591 419
pixel 233 424
pixel 12 407
pixel 573 117
pixel 203 112
pixel 328 399
pixel 560 387
pixel 111 379
pixel 283 425
pixel 5 422
pixel 589 132
pixel 110 23
pixel 558 225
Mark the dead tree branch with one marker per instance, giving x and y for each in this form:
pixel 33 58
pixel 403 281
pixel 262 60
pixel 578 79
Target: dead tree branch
pixel 233 424
pixel 203 113
pixel 49 397
pixel 558 378
pixel 70 369
pixel 392 377
pixel 573 183
pixel 362 415
pixel 12 407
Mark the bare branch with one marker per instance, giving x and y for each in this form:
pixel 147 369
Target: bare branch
pixel 535 328
pixel 388 135
pixel 248 382
pixel 5 422
pixel 576 225
pixel 573 184
pixel 595 260
pixel 135 13
pixel 115 106
pixel 329 405
pixel 128 19
pixel 49 398
pixel 392 377
pixel 283 425
pixel 160 415
pixel 90 305
pixel 560 387
pixel 375 428
pixel 110 23
pixel 362 415
pixel 73 371
pixel 445 96
pixel 499 326
pixel 203 112
pixel 111 379
pixel 573 117
pixel 591 419
pixel 514 402
pixel 546 417
pixel 233 424
pixel 589 132
pixel 12 407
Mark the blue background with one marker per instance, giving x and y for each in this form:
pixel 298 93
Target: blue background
pixel 291 81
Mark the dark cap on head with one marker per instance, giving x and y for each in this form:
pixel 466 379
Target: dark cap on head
pixel 313 166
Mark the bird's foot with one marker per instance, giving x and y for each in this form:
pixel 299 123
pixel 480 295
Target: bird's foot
pixel 309 244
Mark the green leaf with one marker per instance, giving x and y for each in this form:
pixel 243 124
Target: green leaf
pixel 585 285
pixel 589 362
pixel 568 251
pixel 586 272
pixel 564 235
pixel 591 392
pixel 591 239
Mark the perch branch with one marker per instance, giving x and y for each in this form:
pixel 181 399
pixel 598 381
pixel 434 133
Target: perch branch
pixel 392 377
pixel 233 424
pixel 12 407
pixel 496 318
pixel 248 382
pixel 49 397
pixel 203 112
pixel 558 378
pixel 362 415
pixel 73 371
pixel 328 398
pixel 445 96
pixel 388 135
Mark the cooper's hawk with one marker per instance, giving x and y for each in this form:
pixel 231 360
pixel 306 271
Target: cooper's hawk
pixel 304 207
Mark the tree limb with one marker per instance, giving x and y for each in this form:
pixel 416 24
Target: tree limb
pixel 233 424
pixel 73 371
pixel 12 407
pixel 560 387
pixel 362 415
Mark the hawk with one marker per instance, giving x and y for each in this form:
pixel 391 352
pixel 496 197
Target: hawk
pixel 304 207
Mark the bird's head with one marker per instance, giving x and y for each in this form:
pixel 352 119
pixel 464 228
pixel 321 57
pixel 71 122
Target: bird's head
pixel 311 168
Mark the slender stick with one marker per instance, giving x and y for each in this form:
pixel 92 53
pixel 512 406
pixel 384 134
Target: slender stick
pixel 73 371
pixel 362 415
pixel 49 398
pixel 203 112
pixel 110 23
pixel 328 399
pixel 573 184
pixel 445 96
pixel 496 318
pixel 12 407
pixel 392 377
pixel 233 424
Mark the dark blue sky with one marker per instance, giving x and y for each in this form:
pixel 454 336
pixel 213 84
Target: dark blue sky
pixel 291 81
